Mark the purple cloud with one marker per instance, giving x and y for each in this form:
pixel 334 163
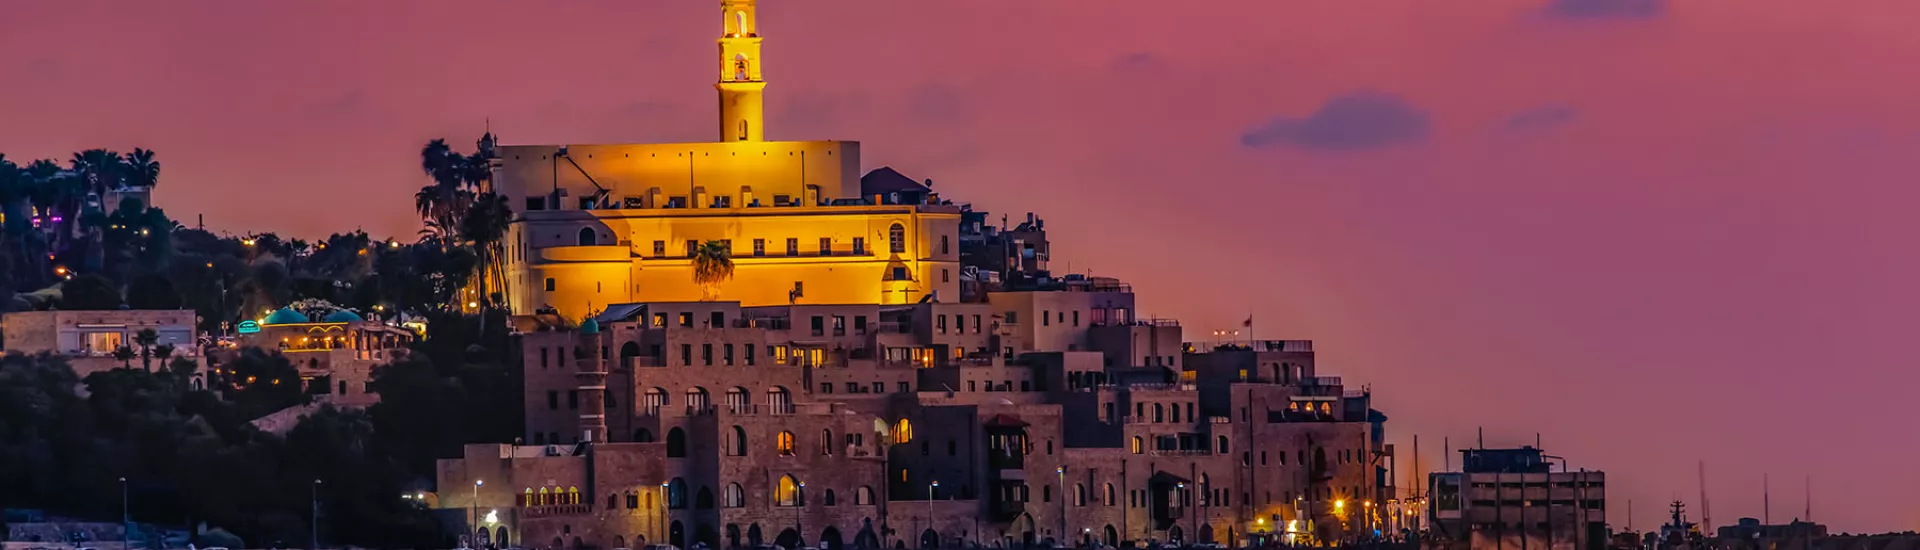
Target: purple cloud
pixel 1358 120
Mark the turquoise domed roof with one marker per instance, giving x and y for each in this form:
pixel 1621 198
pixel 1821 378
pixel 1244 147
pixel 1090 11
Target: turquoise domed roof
pixel 286 316
pixel 342 316
pixel 590 326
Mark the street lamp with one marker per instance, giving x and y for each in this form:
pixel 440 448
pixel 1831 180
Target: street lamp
pixel 314 531
pixel 473 510
pixel 936 533
pixel 799 533
pixel 126 518
pixel 1062 472
pixel 1182 495
pixel 663 514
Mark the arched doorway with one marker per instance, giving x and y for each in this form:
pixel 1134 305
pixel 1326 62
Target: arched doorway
pixel 830 539
pixel 619 541
pixel 576 544
pixel 677 533
pixel 754 538
pixel 703 533
pixel 1025 526
pixel 500 536
pixel 1113 536
pixel 1206 534
pixel 929 539
pixel 557 544
pixel 866 539
pixel 788 538
pixel 483 538
pixel 1175 535
pixel 733 535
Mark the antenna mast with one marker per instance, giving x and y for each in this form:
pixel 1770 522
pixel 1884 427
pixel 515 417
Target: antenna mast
pixel 1706 510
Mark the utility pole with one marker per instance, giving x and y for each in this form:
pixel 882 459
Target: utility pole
pixel 313 543
pixel 126 518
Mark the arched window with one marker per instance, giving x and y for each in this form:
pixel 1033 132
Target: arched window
pixel 779 401
pixel 897 238
pixel 643 435
pixel 787 492
pixel 740 74
pixel 697 400
pixel 737 400
pixel 734 497
pixel 677 443
pixel 738 447
pixel 1137 444
pixel 1107 499
pixel 1222 444
pixel 902 431
pixel 588 237
pixel 784 444
pixel 676 489
pixel 1079 494
pixel 863 496
pixel 704 500
pixel 829 500
pixel 826 442
pixel 654 399
pixel 1159 413
pixel 740 23
pixel 573 495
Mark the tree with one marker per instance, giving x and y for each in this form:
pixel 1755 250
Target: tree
pixel 87 293
pixel 142 170
pixel 146 339
pixel 712 265
pixel 152 291
pixel 125 355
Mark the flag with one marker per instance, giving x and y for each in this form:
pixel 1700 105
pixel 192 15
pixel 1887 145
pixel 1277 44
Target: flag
pixel 1249 323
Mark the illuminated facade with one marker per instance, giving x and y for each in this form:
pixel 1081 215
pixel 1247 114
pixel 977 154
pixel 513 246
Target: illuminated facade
pixel 608 224
pixel 841 392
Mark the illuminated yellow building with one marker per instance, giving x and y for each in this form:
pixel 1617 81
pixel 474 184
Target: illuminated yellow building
pixel 608 224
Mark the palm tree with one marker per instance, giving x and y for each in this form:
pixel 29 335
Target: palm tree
pixel 142 170
pixel 146 339
pixel 125 355
pixel 712 265
pixel 485 228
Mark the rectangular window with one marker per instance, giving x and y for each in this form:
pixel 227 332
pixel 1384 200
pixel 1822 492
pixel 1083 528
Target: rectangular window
pixel 573 399
pixel 759 247
pixel 706 354
pixel 859 246
pixel 899 273
pixel 659 320
pixel 826 387
pixel 677 202
pixel 553 400
pixel 693 247
pixel 860 325
pixel 976 324
pixel 826 246
pixel 747 354
pixel 972 386
pixel 659 249
pixel 686 319
pixel 549 284
pixel 904 387
pixel 819 325
pixel 879 387
pixel 1076 317
pixel 1013 318
pixel 686 354
pixel 959 324
pixel 943 244
pixel 793 246
pixel 717 320
pixel 536 203
pixel 726 354
pixel 1046 318
pixel 543 358
pixel 945 276
pixel 940 324
pixel 853 387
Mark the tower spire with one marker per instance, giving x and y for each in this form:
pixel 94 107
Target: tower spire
pixel 741 83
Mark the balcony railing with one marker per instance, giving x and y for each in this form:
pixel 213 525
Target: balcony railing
pixel 558 510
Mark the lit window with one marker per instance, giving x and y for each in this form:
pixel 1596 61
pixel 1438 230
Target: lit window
pixel 902 431
pixel 787 493
pixel 784 444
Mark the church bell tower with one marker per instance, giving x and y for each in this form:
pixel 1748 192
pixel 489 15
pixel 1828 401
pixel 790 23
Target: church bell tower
pixel 741 109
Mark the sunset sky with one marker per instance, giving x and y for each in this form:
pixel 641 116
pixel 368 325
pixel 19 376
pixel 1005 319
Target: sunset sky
pixel 1654 232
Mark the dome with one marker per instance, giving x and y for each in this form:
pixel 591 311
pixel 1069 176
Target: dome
pixel 590 326
pixel 286 316
pixel 342 316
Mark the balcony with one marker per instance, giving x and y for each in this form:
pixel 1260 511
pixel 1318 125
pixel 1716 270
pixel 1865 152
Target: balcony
pixel 558 510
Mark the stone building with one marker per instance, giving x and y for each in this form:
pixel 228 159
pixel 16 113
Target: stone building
pixel 334 349
pixel 841 392
pixel 87 339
